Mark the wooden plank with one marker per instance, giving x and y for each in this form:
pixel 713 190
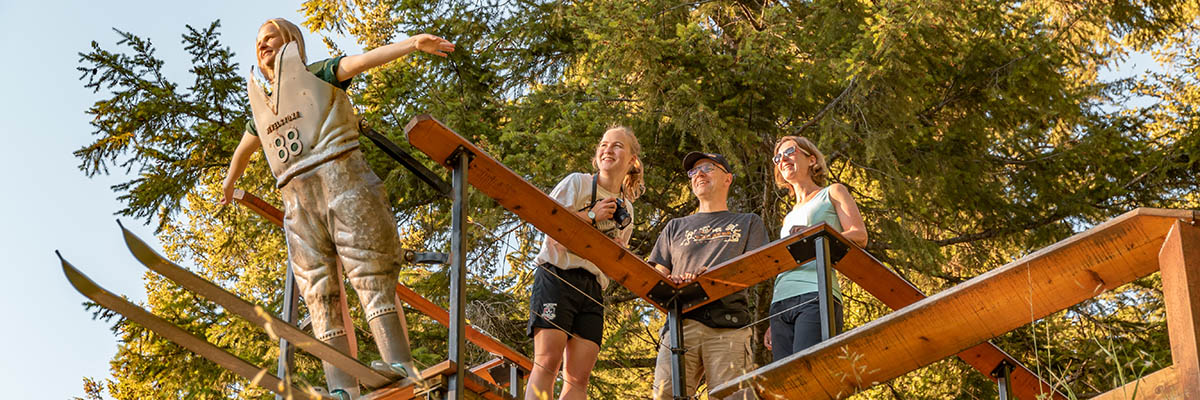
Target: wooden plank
pixel 756 266
pixel 405 390
pixel 1052 279
pixel 1159 385
pixel 482 370
pixel 263 208
pixel 531 204
pixel 896 292
pixel 477 388
pixel 870 274
pixel 475 336
pixel 1026 385
pixel 1179 262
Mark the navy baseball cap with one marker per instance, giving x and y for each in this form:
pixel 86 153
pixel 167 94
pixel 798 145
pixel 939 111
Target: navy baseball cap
pixel 692 158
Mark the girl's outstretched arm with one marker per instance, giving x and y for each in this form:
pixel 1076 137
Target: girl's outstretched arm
pixel 354 65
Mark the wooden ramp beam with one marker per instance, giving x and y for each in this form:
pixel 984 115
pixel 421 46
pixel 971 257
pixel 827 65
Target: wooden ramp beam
pixel 534 206
pixel 474 335
pixel 1160 385
pixel 870 274
pixel 436 379
pixel 897 293
pixel 1179 261
pixel 1052 279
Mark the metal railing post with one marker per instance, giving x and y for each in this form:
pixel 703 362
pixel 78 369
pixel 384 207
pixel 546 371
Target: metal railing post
pixel 289 313
pixel 825 279
pixel 675 341
pixel 458 274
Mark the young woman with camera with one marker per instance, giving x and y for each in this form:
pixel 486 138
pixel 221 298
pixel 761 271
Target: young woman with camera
pixel 801 168
pixel 567 305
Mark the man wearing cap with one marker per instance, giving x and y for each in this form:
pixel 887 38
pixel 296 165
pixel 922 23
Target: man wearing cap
pixel 716 346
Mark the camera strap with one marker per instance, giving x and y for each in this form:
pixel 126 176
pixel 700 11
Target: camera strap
pixel 595 180
pixel 595 184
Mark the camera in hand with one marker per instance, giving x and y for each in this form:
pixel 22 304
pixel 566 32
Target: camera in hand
pixel 621 214
pixel 620 219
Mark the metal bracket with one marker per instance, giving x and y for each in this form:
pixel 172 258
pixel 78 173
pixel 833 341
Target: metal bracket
pixel 1003 376
pixel 503 372
pixel 422 257
pixel 690 295
pixel 663 294
pixel 404 158
pixel 803 250
pixel 459 152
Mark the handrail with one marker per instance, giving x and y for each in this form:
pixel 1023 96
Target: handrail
pixel 513 193
pixel 1049 280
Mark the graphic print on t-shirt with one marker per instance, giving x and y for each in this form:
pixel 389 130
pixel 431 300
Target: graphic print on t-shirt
pixel 730 233
pixel 698 242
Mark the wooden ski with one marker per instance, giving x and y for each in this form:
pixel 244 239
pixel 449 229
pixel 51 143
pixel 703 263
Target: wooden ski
pixel 256 375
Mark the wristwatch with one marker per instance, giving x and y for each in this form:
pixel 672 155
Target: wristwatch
pixel 592 215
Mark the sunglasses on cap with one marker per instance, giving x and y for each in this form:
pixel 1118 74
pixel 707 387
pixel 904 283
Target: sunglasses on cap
pixel 706 168
pixel 788 153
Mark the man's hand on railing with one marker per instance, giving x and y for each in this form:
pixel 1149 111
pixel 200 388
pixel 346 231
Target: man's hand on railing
pixel 796 228
pixel 678 279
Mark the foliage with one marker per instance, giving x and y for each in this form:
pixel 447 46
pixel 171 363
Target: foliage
pixel 970 133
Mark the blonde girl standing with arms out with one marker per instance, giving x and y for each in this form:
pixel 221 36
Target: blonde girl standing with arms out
pixel 335 209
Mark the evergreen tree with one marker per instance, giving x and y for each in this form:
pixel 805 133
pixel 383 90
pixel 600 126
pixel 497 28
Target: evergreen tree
pixel 969 132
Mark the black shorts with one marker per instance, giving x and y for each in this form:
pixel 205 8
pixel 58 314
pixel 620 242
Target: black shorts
pixel 557 305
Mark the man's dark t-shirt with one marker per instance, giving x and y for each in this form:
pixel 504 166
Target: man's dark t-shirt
pixel 699 241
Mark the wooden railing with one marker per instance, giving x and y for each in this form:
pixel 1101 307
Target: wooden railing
pixel 1076 269
pixel 512 192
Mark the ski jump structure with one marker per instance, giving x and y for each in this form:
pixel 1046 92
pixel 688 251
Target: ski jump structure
pixel 959 321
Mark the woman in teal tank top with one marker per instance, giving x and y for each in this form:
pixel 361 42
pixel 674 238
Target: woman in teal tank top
pixel 795 313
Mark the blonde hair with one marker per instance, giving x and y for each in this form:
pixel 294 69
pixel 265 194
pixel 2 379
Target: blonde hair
pixel 289 32
pixel 819 171
pixel 634 179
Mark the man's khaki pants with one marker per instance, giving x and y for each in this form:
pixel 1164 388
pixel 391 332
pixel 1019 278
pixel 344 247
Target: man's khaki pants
pixel 718 354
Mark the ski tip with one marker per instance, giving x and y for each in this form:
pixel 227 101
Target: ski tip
pixel 138 247
pixel 120 224
pixel 59 254
pixel 77 279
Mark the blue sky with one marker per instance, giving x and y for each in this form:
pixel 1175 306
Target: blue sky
pixel 49 341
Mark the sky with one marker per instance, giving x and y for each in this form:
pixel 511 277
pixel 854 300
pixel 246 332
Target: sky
pixel 50 342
